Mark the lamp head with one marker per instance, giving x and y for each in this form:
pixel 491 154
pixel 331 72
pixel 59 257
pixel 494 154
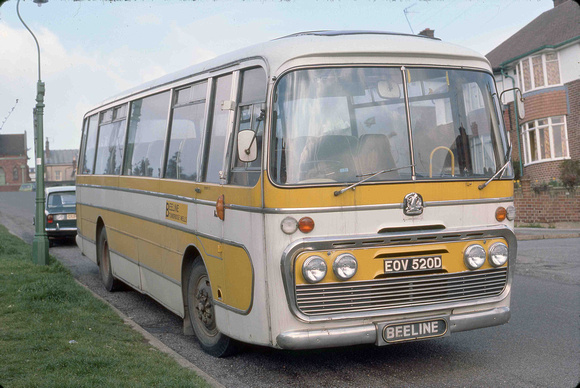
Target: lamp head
pixel 40 2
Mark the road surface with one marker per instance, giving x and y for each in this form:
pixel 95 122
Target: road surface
pixel 539 347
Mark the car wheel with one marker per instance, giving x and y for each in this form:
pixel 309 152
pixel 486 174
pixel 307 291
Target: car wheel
pixel 111 284
pixel 202 314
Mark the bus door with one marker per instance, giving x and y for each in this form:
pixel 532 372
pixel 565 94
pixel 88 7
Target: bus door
pixel 243 231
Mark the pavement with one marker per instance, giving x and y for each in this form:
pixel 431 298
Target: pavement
pixel 558 230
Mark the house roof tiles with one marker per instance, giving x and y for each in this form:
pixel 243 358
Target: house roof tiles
pixel 13 145
pixel 61 157
pixel 553 27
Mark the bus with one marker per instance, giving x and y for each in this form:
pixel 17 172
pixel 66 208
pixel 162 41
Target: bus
pixel 324 189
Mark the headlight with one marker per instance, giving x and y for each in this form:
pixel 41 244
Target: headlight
pixel 314 269
pixel 498 254
pixel 345 266
pixel 474 256
pixel 59 217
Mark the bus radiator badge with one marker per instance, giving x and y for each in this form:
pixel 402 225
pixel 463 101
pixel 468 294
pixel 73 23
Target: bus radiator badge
pixel 413 204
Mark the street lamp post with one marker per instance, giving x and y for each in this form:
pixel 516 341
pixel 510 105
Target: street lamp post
pixel 40 242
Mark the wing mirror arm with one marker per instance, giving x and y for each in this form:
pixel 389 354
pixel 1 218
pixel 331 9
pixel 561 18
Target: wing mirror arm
pixel 247 147
pixel 519 102
pixel 258 120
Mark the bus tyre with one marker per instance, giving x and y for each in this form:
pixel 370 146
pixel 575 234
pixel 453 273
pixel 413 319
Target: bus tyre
pixel 202 315
pixel 111 284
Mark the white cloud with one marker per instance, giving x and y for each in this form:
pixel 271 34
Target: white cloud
pixel 76 80
pixel 148 19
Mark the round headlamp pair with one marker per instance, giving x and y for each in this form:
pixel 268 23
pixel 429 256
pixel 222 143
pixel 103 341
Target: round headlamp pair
pixel 475 255
pixel 344 267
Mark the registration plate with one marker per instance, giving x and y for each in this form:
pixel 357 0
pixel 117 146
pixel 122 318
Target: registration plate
pixel 71 216
pixel 409 331
pixel 413 264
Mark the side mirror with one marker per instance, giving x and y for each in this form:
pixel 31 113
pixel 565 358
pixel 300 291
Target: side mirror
pixel 247 146
pixel 519 102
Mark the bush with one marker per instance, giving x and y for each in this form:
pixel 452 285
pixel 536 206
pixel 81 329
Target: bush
pixel 540 188
pixel 570 173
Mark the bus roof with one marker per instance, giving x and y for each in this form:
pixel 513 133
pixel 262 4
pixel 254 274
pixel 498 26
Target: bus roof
pixel 318 46
pixel 353 32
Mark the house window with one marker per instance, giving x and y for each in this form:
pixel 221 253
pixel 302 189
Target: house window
pixel 15 174
pixel 539 71
pixel 545 139
pixel 57 176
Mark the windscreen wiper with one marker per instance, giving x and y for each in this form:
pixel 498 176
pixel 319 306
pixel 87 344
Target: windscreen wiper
pixel 502 168
pixel 370 176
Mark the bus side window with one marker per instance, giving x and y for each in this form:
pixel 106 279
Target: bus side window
pixel 187 127
pixel 219 128
pixel 80 160
pixel 250 116
pixel 111 141
pixel 147 128
pixel 90 144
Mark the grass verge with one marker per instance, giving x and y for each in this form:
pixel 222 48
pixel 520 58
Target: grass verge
pixel 53 332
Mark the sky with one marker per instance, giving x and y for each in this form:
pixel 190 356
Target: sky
pixel 92 50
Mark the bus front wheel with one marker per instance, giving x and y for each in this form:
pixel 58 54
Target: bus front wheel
pixel 202 314
pixel 104 258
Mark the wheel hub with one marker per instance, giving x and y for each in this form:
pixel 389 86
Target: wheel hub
pixel 204 307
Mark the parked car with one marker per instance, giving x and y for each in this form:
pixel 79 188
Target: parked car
pixel 60 210
pixel 27 187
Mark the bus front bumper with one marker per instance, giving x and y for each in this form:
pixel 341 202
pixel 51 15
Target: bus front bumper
pixel 371 333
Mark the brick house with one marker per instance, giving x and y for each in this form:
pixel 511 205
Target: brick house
pixel 13 162
pixel 543 60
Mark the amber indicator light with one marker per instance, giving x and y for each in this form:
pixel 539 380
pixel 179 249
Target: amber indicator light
pixel 306 224
pixel 500 213
pixel 220 207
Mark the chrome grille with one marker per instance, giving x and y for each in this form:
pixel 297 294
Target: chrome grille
pixel 347 297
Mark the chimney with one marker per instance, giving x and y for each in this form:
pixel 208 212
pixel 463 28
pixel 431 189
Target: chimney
pixel 46 149
pixel 431 33
pixel 558 2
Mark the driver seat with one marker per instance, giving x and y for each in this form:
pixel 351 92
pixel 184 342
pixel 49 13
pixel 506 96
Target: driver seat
pixel 374 154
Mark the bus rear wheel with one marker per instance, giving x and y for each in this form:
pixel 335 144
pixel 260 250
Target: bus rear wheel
pixel 104 258
pixel 202 314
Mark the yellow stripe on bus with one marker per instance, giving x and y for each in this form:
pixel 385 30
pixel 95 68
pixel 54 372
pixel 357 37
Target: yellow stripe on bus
pixel 313 197
pixel 234 195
